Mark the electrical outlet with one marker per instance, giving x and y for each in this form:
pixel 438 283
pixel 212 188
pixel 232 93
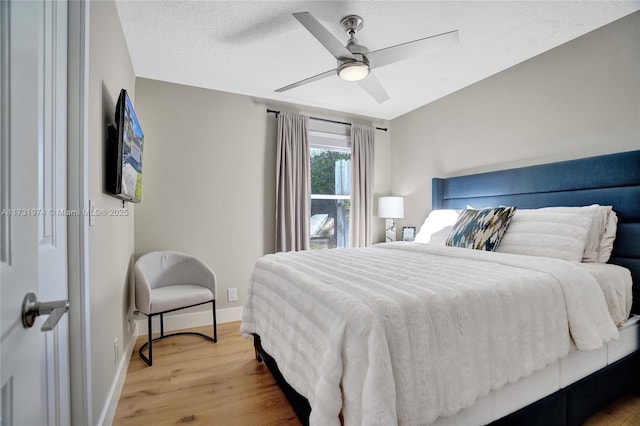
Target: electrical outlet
pixel 232 294
pixel 116 351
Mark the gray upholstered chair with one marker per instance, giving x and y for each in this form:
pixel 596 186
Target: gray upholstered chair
pixel 168 281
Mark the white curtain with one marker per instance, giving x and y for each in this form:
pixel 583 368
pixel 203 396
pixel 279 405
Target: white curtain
pixel 362 163
pixel 293 185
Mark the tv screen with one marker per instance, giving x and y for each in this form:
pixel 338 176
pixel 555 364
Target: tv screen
pixel 124 156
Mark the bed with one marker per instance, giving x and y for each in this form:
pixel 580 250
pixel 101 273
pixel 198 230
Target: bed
pixel 555 384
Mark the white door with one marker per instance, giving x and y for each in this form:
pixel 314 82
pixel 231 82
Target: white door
pixel 34 373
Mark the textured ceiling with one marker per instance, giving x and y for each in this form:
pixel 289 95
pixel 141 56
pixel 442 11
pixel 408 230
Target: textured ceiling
pixel 253 48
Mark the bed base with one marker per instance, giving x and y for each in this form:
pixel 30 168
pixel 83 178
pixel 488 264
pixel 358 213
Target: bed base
pixel 574 404
pixel 299 403
pixel 570 406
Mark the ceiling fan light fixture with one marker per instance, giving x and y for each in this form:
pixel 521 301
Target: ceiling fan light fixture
pixel 353 71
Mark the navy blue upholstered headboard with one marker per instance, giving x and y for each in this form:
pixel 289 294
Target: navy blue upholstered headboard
pixel 611 180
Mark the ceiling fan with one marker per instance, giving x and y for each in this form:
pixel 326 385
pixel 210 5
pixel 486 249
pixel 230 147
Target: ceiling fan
pixel 355 62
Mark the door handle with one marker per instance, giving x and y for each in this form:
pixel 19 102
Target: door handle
pixel 31 309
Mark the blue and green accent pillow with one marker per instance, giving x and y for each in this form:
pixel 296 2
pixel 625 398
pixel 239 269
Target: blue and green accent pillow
pixel 481 229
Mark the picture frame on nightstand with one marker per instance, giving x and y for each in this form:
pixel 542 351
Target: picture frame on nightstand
pixel 408 233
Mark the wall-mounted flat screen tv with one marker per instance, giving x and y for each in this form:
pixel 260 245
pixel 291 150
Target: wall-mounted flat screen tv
pixel 124 153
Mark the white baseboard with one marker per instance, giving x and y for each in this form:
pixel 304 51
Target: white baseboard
pixel 111 404
pixel 190 319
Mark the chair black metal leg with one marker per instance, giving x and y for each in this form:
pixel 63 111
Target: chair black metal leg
pixel 215 327
pixel 149 360
pixel 146 359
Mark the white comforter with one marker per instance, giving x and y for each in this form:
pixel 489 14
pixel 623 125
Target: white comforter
pixel 404 333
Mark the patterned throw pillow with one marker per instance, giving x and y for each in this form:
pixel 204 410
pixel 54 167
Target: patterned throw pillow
pixel 481 229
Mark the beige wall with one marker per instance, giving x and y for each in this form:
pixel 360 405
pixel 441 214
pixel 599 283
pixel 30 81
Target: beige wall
pixel 209 177
pixel 111 238
pixel 578 100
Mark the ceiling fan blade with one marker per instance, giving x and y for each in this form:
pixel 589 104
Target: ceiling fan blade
pixel 307 80
pixel 399 52
pixel 323 35
pixel 372 86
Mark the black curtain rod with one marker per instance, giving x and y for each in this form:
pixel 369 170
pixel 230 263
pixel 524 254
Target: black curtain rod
pixel 326 120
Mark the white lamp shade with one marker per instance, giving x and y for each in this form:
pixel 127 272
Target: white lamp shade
pixel 391 207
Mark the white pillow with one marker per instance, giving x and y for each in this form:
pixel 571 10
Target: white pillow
pixel 558 232
pixel 441 236
pixel 436 221
pixel 606 243
pixel 596 232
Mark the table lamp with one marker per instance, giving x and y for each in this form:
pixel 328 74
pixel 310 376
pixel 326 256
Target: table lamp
pixel 390 208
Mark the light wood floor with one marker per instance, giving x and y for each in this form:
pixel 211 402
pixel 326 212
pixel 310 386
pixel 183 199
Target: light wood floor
pixel 194 381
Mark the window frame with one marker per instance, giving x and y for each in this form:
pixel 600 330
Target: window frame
pixel 330 142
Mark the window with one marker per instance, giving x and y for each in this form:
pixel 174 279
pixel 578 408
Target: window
pixel 330 156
